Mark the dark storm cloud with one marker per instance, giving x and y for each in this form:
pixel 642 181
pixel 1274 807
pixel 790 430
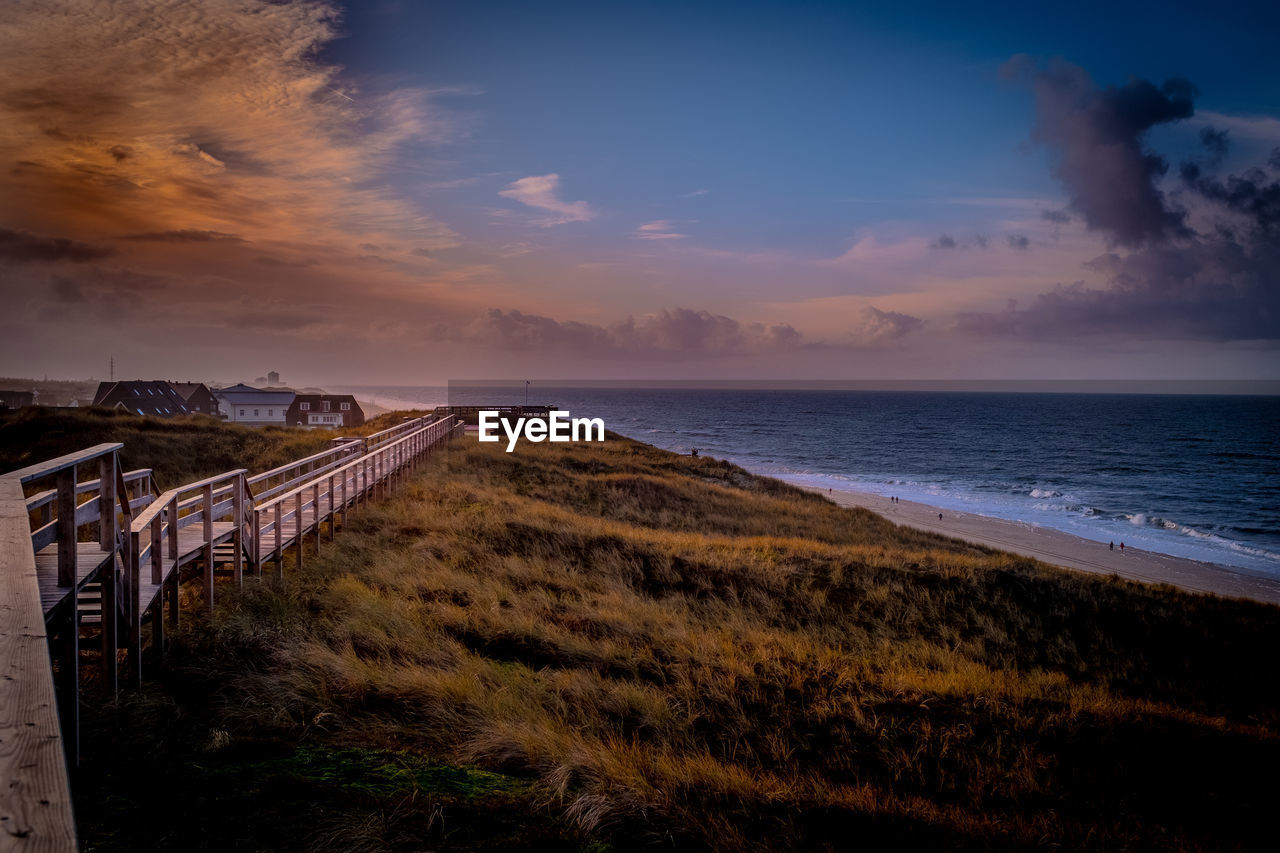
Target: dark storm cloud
pixel 21 247
pixel 1058 216
pixel 1222 283
pixel 1219 281
pixel 1019 241
pixel 946 241
pixel 1216 144
pixel 1252 195
pixel 672 333
pixel 1212 290
pixel 185 235
pixel 1098 137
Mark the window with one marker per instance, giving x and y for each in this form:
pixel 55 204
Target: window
pixel 242 413
pixel 255 413
pixel 346 407
pixel 271 413
pixel 326 405
pixel 304 407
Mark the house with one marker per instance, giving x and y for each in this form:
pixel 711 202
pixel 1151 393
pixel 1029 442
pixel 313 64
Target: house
pixel 154 397
pixel 335 411
pixel 198 396
pixel 16 399
pixel 243 404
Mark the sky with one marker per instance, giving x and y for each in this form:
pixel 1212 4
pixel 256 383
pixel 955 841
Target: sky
pixel 396 192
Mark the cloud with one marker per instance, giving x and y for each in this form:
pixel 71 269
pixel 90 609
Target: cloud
pixel 1215 142
pixel 542 192
pixel 873 327
pixel 946 241
pixel 186 235
pixel 1019 241
pixel 155 116
pixel 20 247
pixel 659 229
pixel 1059 217
pixel 1098 138
pixel 695 193
pixel 1219 282
pixel 1263 128
pixel 677 332
pixel 1251 195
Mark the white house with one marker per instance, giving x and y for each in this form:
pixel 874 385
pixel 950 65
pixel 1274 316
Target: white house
pixel 253 406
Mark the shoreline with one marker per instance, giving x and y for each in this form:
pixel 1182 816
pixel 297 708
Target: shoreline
pixel 1064 549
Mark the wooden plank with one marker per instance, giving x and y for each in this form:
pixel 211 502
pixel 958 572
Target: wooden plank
pixel 35 797
pixel 88 559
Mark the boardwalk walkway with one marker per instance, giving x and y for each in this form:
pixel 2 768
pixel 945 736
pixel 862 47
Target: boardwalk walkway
pixel 110 553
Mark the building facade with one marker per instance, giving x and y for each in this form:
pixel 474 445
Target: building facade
pixel 334 411
pixel 243 404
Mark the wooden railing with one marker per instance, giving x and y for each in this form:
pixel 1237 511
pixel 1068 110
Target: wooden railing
pixel 59 536
pixel 282 520
pixel 269 483
pixel 37 737
pixel 217 506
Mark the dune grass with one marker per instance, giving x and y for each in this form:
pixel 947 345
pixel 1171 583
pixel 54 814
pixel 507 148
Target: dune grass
pixel 613 647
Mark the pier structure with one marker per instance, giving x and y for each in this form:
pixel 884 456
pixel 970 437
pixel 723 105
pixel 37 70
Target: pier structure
pixel 91 561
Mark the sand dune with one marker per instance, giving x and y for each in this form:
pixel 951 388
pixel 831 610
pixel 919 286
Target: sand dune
pixel 1063 549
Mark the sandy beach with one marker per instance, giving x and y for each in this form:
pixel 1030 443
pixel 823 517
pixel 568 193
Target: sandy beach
pixel 1063 549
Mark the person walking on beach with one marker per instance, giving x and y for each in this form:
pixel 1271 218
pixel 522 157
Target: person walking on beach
pixel 939 516
pixel 1121 547
pixel 1111 546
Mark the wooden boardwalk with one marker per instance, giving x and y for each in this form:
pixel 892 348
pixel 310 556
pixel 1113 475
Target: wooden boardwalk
pixel 110 553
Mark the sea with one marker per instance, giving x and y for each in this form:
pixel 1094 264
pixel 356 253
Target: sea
pixel 1194 476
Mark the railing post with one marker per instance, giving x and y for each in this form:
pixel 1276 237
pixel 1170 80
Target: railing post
pixel 172 514
pixel 107 502
pixel 108 535
pixel 279 525
pixel 207 534
pixel 333 512
pixel 66 485
pixel 297 526
pixel 157 548
pixel 316 517
pixel 256 543
pixel 135 609
pixel 237 532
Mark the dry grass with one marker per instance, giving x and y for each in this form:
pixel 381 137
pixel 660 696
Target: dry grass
pixel 670 650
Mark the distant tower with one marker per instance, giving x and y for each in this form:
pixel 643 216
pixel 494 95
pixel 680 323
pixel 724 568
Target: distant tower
pixel 273 378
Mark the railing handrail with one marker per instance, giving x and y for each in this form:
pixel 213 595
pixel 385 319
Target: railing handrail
pixel 275 499
pixel 53 466
pixel 163 500
pixel 390 430
pixel 39 499
pixel 258 478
